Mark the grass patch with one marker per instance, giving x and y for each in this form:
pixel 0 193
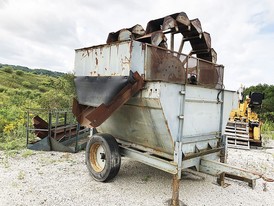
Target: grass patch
pixel 11 153
pixel 5 162
pixel 27 153
pixel 268 130
pixel 268 127
pixel 146 178
pixel 21 175
pixel 12 144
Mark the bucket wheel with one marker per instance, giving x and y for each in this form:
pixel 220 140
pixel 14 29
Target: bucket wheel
pixel 102 157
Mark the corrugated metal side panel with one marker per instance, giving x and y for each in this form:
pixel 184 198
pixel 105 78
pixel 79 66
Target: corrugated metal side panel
pixel 201 112
pixel 230 103
pixel 104 60
pixel 137 61
pixel 172 101
pixel 140 121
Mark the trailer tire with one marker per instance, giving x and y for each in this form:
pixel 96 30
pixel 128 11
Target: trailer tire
pixel 102 157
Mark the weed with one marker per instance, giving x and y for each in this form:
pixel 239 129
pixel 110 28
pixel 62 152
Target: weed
pixel 27 153
pixel 21 175
pixel 47 161
pixel 14 184
pixel 66 156
pixel 264 187
pixel 13 140
pixel 11 153
pixel 5 162
pixel 146 178
pixel 40 173
pixel 268 127
pixel 267 131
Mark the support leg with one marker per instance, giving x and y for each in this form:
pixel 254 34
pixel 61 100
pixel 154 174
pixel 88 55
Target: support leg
pixel 175 191
pixel 221 179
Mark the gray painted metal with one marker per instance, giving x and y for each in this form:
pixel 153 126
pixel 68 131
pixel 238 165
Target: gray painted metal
pixel 216 168
pixel 43 145
pixel 147 158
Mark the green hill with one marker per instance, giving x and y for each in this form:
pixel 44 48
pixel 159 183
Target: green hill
pixel 34 71
pixel 17 79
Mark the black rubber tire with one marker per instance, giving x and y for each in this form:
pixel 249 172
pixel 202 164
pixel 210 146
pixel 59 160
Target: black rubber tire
pixel 105 165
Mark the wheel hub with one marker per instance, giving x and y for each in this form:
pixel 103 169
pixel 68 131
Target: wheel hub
pixel 97 157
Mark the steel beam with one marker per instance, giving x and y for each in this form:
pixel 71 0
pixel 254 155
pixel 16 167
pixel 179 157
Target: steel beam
pixel 224 170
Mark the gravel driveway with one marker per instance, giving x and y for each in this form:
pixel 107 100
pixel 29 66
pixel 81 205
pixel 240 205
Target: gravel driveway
pixel 54 178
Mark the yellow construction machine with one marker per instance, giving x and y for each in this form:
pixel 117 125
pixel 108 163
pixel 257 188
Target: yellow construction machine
pixel 244 127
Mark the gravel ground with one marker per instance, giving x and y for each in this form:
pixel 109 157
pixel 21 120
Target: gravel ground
pixel 54 178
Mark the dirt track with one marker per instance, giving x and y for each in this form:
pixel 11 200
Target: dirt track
pixel 53 178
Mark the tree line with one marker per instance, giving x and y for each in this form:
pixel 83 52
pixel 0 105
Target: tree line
pixel 266 111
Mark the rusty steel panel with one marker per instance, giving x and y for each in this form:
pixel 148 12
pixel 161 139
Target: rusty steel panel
pixel 183 19
pixel 154 25
pixel 126 34
pixel 41 129
pixel 163 66
pixel 173 21
pixel 169 23
pixel 211 56
pixel 204 73
pixel 80 111
pixel 207 74
pixel 156 38
pixel 210 75
pixel 201 43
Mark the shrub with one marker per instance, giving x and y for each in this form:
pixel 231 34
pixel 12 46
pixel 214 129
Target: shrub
pixel 42 88
pixel 2 89
pixel 27 84
pixel 14 140
pixel 19 73
pixel 8 70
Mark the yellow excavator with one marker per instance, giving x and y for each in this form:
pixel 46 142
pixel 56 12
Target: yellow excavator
pixel 244 127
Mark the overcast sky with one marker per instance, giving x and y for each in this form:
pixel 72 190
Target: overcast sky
pixel 44 33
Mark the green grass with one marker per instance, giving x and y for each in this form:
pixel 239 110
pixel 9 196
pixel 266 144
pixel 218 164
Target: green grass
pixel 268 130
pixel 27 153
pixel 267 126
pixel 26 81
pixel 15 140
pixel 21 175
pixel 146 178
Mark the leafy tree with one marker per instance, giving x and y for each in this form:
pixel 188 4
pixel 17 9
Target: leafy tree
pixel 266 112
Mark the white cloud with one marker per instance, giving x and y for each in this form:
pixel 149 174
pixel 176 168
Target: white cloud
pixel 44 34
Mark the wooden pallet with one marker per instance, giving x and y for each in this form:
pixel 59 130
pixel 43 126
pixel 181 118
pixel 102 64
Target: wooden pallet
pixel 237 135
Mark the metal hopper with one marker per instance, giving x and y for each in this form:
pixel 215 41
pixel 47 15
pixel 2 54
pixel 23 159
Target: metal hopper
pixel 154 104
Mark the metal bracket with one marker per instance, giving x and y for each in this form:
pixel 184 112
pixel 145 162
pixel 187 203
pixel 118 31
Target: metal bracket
pixel 181 117
pixel 178 156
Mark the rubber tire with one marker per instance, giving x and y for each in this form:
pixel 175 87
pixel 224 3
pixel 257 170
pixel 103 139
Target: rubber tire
pixel 112 157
